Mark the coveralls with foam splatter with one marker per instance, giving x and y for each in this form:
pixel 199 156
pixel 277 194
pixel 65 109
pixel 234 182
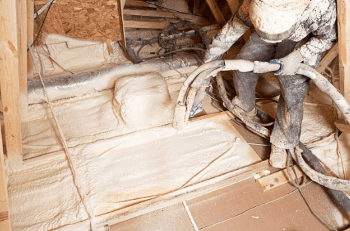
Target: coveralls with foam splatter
pixel 317 24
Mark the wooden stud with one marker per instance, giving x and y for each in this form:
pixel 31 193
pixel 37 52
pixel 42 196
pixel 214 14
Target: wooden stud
pixel 30 37
pixel 121 21
pixel 344 47
pixel 277 179
pixel 216 12
pixel 328 58
pixel 5 224
pixel 196 6
pixel 234 5
pixel 22 53
pixel 122 3
pixel 9 81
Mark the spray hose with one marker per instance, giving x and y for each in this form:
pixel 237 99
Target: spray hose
pixel 192 84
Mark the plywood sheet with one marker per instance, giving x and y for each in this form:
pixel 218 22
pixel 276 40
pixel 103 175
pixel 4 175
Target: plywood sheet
pixel 87 20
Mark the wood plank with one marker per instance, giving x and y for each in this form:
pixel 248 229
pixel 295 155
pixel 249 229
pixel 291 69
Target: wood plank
pixel 122 3
pixel 344 46
pixel 145 24
pixel 121 21
pixel 135 3
pixel 234 5
pixel 342 126
pixel 43 2
pixel 196 6
pixel 246 35
pixel 22 53
pixel 277 179
pixel 30 37
pixel 9 70
pixel 328 58
pixel 150 13
pixel 216 12
pixel 4 217
pixel 162 14
pixel 84 19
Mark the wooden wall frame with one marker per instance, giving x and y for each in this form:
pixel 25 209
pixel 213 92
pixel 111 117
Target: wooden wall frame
pixel 17 27
pixel 344 47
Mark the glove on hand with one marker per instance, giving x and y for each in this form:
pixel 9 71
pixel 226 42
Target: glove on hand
pixel 289 64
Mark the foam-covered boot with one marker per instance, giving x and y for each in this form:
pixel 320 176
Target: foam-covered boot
pixel 278 157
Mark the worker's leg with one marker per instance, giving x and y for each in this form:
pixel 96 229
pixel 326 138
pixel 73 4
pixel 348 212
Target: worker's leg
pixel 287 128
pixel 255 49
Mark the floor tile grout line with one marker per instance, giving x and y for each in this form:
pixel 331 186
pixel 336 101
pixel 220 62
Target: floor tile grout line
pixel 190 216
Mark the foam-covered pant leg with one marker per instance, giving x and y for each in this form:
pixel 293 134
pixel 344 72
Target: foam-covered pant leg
pixel 287 128
pixel 255 49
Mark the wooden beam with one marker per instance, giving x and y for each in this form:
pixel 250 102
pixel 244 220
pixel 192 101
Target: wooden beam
pixel 42 2
pixel 344 46
pixel 328 58
pixel 145 24
pixel 9 81
pixel 277 179
pixel 216 12
pixel 30 37
pixel 4 214
pixel 122 3
pixel 22 53
pixel 234 5
pixel 135 3
pixel 196 6
pixel 342 126
pixel 162 14
pixel 121 21
pixel 150 13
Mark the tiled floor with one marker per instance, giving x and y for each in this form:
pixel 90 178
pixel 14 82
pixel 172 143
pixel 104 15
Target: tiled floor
pixel 242 206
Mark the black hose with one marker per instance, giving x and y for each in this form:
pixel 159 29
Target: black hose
pixel 339 197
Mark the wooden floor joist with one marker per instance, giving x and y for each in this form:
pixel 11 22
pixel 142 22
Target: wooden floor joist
pixel 277 179
pixel 9 79
pixel 22 53
pixel 344 46
pixel 234 5
pixel 216 12
pixel 328 58
pixel 5 224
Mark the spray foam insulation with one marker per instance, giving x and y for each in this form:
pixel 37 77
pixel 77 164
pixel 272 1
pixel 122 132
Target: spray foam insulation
pixel 117 166
pixel 87 20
